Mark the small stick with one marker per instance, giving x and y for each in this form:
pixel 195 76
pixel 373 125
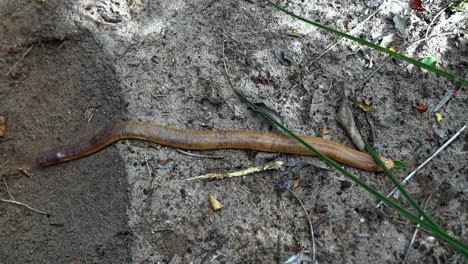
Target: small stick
pixel 25 173
pixel 395 191
pixel 22 57
pixel 199 155
pixel 220 175
pixel 390 57
pixel 148 167
pixel 448 95
pixel 341 39
pixel 23 204
pixel 8 190
pixel 433 20
pixel 433 36
pixel 310 225
pixel 408 250
pixel 61 45
pixel 231 37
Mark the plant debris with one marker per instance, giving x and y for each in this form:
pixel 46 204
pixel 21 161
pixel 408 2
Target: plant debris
pixel 301 257
pixel 395 192
pixel 3 125
pixel 25 205
pixel 296 184
pixel 365 105
pixel 265 110
pixel 422 108
pixel 25 173
pixel 418 5
pixel 400 26
pixel 431 61
pixel 437 131
pixel 438 117
pixel 109 15
pixel 282 58
pixel 459 6
pixel 346 119
pixel 214 203
pixel 389 40
pixel 220 175
pixel 325 131
pixel 448 95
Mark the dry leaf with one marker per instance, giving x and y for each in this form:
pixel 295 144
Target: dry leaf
pixel 215 204
pixel 346 119
pixel 388 40
pixel 400 26
pixel 25 173
pixel 394 48
pixel 438 117
pixel 422 107
pixel 325 131
pixel 282 58
pixel 296 183
pixel 366 105
pixel 418 5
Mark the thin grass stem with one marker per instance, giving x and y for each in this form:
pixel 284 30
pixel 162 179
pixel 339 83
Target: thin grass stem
pixel 375 46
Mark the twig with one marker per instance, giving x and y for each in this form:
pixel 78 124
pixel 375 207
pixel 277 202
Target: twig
pixel 448 95
pixel 433 20
pixel 22 57
pixel 226 71
pixel 8 190
pixel 198 155
pixel 23 204
pixel 231 37
pixel 278 247
pixel 310 225
pixel 148 167
pixel 220 175
pixel 25 172
pixel 61 45
pixel 341 39
pixel 88 115
pixel 433 36
pixel 395 191
pixel 408 249
pixel 390 57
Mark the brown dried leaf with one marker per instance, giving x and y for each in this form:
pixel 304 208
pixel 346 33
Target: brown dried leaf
pixel 422 108
pixel 346 119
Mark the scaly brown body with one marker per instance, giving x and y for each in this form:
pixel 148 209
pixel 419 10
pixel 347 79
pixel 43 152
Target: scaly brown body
pixel 202 140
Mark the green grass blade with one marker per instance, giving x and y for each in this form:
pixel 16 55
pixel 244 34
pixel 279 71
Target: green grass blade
pixel 374 46
pixel 456 244
pixel 405 193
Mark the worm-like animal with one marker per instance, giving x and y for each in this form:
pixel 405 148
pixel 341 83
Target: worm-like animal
pixel 203 140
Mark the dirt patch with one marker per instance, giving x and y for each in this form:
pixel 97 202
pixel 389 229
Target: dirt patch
pixel 161 61
pixel 45 98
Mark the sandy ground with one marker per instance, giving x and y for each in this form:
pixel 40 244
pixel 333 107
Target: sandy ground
pixel 81 66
